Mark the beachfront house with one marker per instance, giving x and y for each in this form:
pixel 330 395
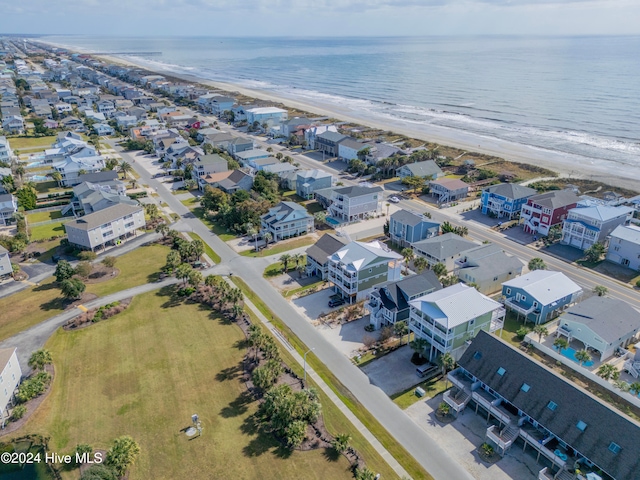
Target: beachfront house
pixel 445 249
pixel 487 267
pixel 357 267
pixel 624 246
pixel 328 141
pixel 525 400
pixel 602 325
pixel 312 133
pixel 286 220
pixel 10 376
pixel 8 208
pixel 448 189
pixel 541 212
pixel 348 148
pixel 308 181
pixel 505 200
pixel 540 295
pixel 447 319
pixel 389 302
pixel 349 204
pixel 585 226
pixel 407 227
pixel 427 169
pixel 6 270
pixel 318 254
pixel 106 227
pixel 268 115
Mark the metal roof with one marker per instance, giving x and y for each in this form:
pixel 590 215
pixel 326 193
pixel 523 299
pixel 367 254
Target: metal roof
pixel 545 286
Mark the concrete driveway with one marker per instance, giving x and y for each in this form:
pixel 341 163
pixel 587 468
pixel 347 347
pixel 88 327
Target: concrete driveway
pixel 394 372
pixel 313 305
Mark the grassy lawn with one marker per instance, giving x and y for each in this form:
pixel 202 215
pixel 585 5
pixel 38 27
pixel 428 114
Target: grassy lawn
pixel 136 268
pixel 191 202
pixel 218 230
pixel 48 249
pixel 281 247
pixel 432 387
pixel 43 216
pixel 397 451
pixel 207 249
pixel 314 207
pixel 48 230
pixel 144 373
pixel 50 186
pixel 511 325
pixel 22 142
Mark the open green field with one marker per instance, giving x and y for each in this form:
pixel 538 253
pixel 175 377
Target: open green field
pixel 281 247
pixel 207 249
pixel 48 230
pixel 43 216
pixel 23 142
pixel 144 373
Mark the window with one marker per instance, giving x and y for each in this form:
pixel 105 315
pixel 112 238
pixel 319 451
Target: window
pixel 471 322
pixel 616 248
pixel 107 234
pixel 525 388
pixel 477 355
pixel 508 291
pixel 370 270
pixel 524 298
pixel 613 447
pixel 501 371
pixel 552 406
pixel 581 425
pixel 535 304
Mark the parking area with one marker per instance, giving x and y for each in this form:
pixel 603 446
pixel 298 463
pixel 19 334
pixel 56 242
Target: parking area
pixel 394 372
pixel 311 306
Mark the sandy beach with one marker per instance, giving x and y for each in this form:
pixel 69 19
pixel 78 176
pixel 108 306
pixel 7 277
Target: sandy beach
pixel 574 166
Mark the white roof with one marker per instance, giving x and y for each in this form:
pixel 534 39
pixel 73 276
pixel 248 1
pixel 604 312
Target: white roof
pixel 630 233
pixel 357 255
pixel 601 212
pixel 545 286
pixel 264 110
pixel 455 305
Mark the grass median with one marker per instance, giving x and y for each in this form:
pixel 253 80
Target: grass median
pixel 207 249
pixel 385 438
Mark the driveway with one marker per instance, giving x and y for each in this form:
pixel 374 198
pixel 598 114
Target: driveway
pixel 311 306
pixel 394 372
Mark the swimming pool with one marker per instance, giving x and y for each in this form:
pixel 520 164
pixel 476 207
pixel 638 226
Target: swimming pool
pixel 571 354
pixel 332 221
pixel 40 178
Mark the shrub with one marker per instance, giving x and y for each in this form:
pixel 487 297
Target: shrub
pixel 109 261
pixel 522 332
pixel 33 387
pixel 87 255
pixel 99 472
pixel 18 412
pixel 638 284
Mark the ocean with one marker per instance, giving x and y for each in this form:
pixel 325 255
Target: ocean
pixel 577 96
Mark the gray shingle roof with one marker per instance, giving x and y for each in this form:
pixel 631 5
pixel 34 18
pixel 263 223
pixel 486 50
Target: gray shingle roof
pixel 326 246
pixel 489 261
pixel 511 190
pixel 357 191
pixel 487 354
pixel 428 168
pixel 407 218
pixel 444 246
pixel 352 143
pixel 331 136
pixel 93 220
pixel 400 291
pixel 555 199
pixel 545 286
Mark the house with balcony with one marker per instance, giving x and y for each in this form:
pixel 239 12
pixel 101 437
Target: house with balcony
pixel 106 227
pixel 357 267
pixel 541 212
pixel 238 145
pixel 505 200
pixel 91 197
pixel 208 164
pixel 445 249
pixel 407 227
pixel 348 148
pixel 85 160
pixel 328 142
pixel 427 169
pixel 312 133
pixel 488 267
pixel 389 302
pixel 286 220
pixel 8 208
pixel 5 150
pixel 585 226
pixel 10 377
pixel 448 189
pixel 308 181
pixel 540 295
pixel 318 254
pixel 527 402
pixel 247 157
pixel 624 246
pixel 6 270
pixel 268 115
pixel 449 318
pixel 603 325
pixel 354 203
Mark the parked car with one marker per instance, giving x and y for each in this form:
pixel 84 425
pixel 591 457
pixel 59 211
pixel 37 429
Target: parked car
pixel 394 199
pixel 335 302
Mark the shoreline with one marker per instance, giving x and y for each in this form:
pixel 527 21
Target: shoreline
pixel 565 164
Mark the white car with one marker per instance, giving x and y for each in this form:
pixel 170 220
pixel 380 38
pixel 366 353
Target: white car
pixel 394 199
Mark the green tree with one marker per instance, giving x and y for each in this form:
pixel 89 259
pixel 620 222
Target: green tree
pixel 173 261
pixel 594 252
pixel 197 248
pixel 183 272
pixel 583 356
pixel 446 227
pixel 420 264
pixel 447 363
pixel 99 471
pixel 285 258
pixel 417 183
pixel 635 387
pixel 40 358
pixel 561 344
pixel 87 256
pixel 608 372
pixel 152 210
pixel 265 376
pixel 440 269
pixel 537 264
pixel 163 229
pixel 419 345
pixel 341 443
pixel 72 288
pixel 408 254
pixel 195 278
pixel 400 328
pixel 364 474
pixel 600 290
pixel 541 331
pixel 449 280
pixel 122 454
pixel 124 168
pixel 109 261
pixel 84 269
pixel 64 270
pixel 27 197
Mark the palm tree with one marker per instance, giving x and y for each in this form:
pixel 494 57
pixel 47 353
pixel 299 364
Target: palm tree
pixel 608 372
pixel 419 345
pixel 267 239
pixel 635 387
pixel 447 363
pixel 124 168
pixel 237 310
pixel 400 329
pixel 600 290
pixel 297 258
pixel 8 183
pixel 285 261
pixel 162 228
pixel 408 254
pixel 20 171
pixel 197 248
pixel 440 269
pixel 542 331
pixel 420 264
pixel 122 454
pixel 341 442
pixel 537 264
pixel 561 344
pixel 183 271
pixel 583 356
pixel 40 358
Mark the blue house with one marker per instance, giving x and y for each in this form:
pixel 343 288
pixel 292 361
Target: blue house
pixel 540 295
pixel 408 227
pixel 505 199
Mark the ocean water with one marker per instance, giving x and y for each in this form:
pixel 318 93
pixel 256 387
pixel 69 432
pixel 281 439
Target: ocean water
pixel 579 96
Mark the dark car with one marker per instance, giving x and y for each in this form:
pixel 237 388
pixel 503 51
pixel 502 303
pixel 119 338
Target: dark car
pixel 334 302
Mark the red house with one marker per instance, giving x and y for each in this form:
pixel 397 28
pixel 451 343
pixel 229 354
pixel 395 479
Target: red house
pixel 546 210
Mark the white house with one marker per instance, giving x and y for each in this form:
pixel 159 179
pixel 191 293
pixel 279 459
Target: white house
pixel 286 220
pixel 269 115
pixel 585 226
pixel 624 246
pixel 8 208
pixel 348 148
pixel 5 150
pixel 6 270
pixel 10 376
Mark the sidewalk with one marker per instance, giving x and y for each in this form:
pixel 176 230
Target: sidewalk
pixel 330 393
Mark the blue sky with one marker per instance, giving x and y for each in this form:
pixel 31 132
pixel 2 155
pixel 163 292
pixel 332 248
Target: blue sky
pixel 320 17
